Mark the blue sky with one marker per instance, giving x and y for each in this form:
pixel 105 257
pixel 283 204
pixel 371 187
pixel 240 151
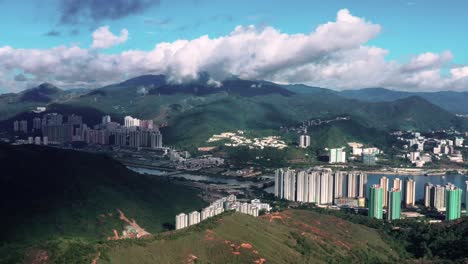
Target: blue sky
pixel 408 28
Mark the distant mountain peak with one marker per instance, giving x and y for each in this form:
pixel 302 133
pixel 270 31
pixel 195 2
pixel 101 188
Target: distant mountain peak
pixel 47 88
pixel 204 85
pixel 40 93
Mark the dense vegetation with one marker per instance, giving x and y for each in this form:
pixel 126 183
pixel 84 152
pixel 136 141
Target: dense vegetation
pixel 454 102
pixel 417 239
pixel 192 112
pixel 48 194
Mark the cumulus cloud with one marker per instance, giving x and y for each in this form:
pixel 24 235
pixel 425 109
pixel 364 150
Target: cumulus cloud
pixel 428 60
pixel 103 38
pixel 459 73
pixel 76 11
pixel 334 55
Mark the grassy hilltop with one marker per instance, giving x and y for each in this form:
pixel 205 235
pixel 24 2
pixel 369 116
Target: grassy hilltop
pixel 293 236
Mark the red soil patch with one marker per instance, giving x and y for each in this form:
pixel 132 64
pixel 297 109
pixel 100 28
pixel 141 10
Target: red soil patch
pixel 235 249
pixel 277 215
pixel 141 232
pixel 95 260
pixel 191 258
pixel 260 261
pixel 246 245
pixel 115 237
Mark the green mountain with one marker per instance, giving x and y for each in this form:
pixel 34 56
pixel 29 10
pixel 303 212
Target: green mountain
pixel 43 93
pixel 12 104
pixel 454 102
pixel 48 193
pixel 191 112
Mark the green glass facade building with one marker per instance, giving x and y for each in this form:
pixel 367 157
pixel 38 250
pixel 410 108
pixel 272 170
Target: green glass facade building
pixel 376 202
pixel 394 204
pixel 453 198
pixel 466 197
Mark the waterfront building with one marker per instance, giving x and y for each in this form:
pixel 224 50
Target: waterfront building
pixel 205 213
pixel 319 185
pixel 466 197
pixel 427 194
pixel 352 189
pixel 453 202
pixel 438 198
pixel 181 221
pixel 410 193
pixel 289 185
pixel 301 188
pixel 394 204
pixel 326 187
pixel 376 201
pixel 339 182
pixel 312 178
pixel 279 178
pixel 193 218
pixel 397 184
pixel 384 185
pixel 361 184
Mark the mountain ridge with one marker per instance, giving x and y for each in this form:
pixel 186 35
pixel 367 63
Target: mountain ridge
pixel 49 192
pixel 197 110
pixel 452 101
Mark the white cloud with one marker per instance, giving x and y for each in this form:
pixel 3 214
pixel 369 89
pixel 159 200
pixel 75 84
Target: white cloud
pixel 428 60
pixel 459 73
pixel 103 38
pixel 334 55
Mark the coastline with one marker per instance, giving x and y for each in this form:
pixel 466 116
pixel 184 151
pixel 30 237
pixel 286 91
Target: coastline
pixel 407 173
pixel 403 172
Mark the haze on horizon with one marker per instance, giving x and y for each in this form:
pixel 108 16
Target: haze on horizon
pixel 404 45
